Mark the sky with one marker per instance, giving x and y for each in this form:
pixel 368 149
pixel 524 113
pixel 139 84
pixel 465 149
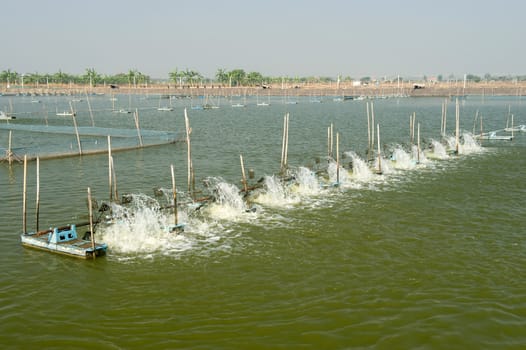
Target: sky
pixel 351 38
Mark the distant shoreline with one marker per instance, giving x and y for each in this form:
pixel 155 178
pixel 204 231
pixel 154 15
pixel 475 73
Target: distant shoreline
pixel 441 89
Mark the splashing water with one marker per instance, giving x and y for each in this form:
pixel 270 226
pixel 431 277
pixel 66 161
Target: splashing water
pixel 360 169
pixel 306 182
pixel 343 174
pixel 468 144
pixel 418 156
pixel 439 150
pixel 402 159
pixel 141 227
pixel 229 204
pixel 277 193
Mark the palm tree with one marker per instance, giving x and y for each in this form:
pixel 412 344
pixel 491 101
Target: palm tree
pixel 222 76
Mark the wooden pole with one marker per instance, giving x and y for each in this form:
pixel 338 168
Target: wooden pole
pixel 338 157
pixel 89 108
pixel 110 170
pixel 115 192
pixel 418 144
pixel 245 188
pixel 77 133
pixel 475 121
pixel 283 137
pixel 91 224
pixel 189 152
pixel 9 151
pixel 512 126
pixel 379 150
pixel 136 116
pixel 24 197
pixel 286 163
pixel 457 127
pixel 38 194
pixel 442 121
pixel 174 193
pixel 372 125
pixel 368 128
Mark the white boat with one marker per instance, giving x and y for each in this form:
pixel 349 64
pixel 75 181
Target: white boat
pixel 165 109
pixel 493 136
pixel 122 111
pixel 64 240
pixel 5 116
pixel 65 114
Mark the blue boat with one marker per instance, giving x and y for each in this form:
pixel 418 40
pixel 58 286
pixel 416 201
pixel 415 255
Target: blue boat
pixel 64 240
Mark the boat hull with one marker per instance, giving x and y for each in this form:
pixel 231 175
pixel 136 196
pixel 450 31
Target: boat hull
pixel 78 248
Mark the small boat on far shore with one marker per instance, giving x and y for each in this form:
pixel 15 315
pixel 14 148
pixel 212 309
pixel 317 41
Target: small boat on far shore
pixel 5 116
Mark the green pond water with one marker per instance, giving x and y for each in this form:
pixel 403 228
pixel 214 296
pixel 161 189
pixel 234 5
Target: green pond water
pixel 429 255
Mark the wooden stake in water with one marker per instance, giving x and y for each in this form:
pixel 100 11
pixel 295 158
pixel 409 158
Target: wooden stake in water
pixel 189 151
pixel 115 192
pixel 244 177
pixel 91 223
pixel 89 108
pixel 24 196
pixel 368 128
pixel 379 150
pixel 284 144
pixel 372 125
pixel 337 157
pixel 37 214
pixel 110 175
pixel 9 151
pixel 418 144
pixel 77 133
pixel 174 193
pixel 136 116
pixel 457 127
pixel 286 160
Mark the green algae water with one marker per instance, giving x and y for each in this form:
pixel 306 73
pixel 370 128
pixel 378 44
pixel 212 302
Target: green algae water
pixel 428 255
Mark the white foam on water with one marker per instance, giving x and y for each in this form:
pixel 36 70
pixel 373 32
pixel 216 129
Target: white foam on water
pixel 402 160
pixel 360 169
pixel 438 150
pixel 277 193
pixel 307 183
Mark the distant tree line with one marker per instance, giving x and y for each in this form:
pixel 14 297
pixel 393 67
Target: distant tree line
pixel 188 77
pixel 90 77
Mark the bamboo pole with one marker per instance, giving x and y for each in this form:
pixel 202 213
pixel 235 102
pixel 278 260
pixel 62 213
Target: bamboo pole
pixel 418 144
pixel 457 127
pixel 37 214
pixel 368 128
pixel 338 157
pixel 77 133
pixel 189 151
pixel 24 197
pixel 512 127
pixel 329 141
pixel 442 121
pixel 379 150
pixel 89 108
pixel 286 163
pixel 110 170
pixel 174 193
pixel 283 137
pixel 475 121
pixel 9 151
pixel 91 224
pixel 137 125
pixel 245 188
pixel 372 125
pixel 115 192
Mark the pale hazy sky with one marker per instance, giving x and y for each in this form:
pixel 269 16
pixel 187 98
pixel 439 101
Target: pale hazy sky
pixel 274 37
